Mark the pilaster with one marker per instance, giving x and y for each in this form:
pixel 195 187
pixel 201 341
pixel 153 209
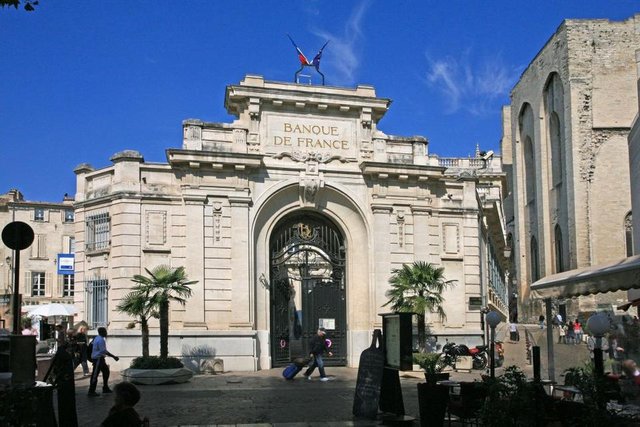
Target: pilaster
pixel 241 295
pixel 382 261
pixel 194 314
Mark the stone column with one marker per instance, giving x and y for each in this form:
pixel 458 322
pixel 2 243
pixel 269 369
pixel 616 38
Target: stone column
pixel 381 262
pixel 194 312
pixel 241 295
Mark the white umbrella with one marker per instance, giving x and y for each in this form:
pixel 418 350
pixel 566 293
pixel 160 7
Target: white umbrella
pixel 48 310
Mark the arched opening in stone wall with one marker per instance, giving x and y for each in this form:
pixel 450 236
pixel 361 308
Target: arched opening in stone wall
pixel 308 286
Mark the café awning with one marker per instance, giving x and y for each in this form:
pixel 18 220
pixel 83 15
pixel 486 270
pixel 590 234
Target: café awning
pixel 621 275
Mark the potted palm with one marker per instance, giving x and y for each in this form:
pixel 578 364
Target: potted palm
pixel 417 288
pixel 432 365
pixel 432 397
pixel 150 298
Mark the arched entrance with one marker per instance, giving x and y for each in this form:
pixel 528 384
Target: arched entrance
pixel 307 283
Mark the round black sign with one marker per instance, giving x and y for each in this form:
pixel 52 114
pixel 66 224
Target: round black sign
pixel 17 235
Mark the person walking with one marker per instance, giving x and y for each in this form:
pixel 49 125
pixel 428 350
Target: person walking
pixel 541 321
pixel 513 332
pixel 99 354
pixel 81 342
pixel 561 334
pixel 571 335
pixel 577 329
pixel 318 346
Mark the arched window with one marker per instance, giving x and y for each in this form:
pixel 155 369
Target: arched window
pixel 556 149
pixel 535 271
pixel 628 233
pixel 529 172
pixel 554 110
pixel 558 245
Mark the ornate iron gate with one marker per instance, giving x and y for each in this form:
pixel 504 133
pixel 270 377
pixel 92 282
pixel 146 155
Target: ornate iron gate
pixel 307 284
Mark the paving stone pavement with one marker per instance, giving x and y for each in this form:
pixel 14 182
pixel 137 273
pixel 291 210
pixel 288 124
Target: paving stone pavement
pixel 261 398
pixel 264 398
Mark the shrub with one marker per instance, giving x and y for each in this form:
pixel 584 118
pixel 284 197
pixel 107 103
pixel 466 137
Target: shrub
pixel 155 362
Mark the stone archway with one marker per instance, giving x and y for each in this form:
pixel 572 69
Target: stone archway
pixel 307 286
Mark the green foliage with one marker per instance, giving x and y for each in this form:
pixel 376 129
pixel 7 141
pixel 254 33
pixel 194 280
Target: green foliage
pixel 155 362
pixel 513 400
pixel 431 363
pixel 596 392
pixel 417 288
pixel 19 405
pixel 164 284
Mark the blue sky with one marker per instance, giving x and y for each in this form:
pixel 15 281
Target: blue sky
pixel 83 80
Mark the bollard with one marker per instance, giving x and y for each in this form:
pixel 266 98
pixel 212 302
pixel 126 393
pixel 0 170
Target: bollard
pixel 536 363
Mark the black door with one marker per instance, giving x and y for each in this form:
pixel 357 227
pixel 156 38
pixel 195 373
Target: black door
pixel 307 284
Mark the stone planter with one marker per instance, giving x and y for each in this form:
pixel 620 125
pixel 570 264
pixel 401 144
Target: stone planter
pixel 157 376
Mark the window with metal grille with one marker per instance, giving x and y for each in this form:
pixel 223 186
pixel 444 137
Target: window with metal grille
pixel 38 283
pixel 96 300
pixel 68 215
pixel 68 286
pixel 98 231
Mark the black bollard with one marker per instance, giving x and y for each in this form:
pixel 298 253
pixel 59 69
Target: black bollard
pixel 536 363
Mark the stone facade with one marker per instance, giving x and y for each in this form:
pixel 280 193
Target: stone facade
pixel 298 153
pixel 570 115
pixel 53 227
pixel 634 167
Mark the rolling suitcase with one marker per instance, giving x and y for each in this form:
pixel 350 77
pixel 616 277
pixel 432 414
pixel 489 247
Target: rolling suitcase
pixel 291 371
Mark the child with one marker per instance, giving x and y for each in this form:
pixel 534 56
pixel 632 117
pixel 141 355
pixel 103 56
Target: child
pixel 122 413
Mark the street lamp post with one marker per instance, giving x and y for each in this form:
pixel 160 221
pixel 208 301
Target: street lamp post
pixel 493 319
pixel 598 325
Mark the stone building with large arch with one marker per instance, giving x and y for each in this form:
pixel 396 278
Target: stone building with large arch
pixel 290 217
pixel 565 144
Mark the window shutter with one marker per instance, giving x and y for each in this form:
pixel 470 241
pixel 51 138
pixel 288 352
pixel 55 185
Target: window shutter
pixel 49 288
pixel 27 285
pixel 42 245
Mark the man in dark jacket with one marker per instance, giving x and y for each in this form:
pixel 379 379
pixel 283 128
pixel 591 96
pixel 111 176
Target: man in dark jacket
pixel 318 347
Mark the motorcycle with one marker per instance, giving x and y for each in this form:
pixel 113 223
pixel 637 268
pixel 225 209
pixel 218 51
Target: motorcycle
pixel 451 351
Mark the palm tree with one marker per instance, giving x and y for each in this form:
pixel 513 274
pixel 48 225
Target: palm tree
pixel 165 284
pixel 137 304
pixel 416 288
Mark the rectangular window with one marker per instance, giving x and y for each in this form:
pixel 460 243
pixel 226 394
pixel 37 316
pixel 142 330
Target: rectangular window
pixel 38 214
pixel 68 215
pixel 68 244
pixel 96 300
pixel 37 283
pixel 68 285
pixel 39 246
pixel 97 231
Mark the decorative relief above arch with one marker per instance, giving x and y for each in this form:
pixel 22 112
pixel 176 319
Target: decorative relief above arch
pixel 305 156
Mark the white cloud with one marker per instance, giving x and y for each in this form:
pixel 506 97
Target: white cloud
pixel 476 88
pixel 344 60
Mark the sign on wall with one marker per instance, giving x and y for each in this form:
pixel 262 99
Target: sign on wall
pixel 305 134
pixel 66 263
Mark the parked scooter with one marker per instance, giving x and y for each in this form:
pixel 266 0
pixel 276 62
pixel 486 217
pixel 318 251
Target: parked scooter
pixel 479 354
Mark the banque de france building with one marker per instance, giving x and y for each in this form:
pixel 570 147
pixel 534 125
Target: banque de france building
pixel 290 217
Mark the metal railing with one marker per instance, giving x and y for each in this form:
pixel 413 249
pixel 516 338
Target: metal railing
pixel 98 231
pixel 97 302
